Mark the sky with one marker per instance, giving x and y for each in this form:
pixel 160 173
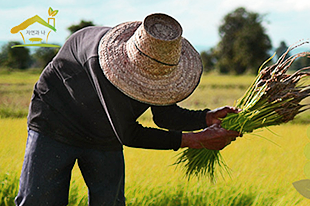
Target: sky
pixel 285 20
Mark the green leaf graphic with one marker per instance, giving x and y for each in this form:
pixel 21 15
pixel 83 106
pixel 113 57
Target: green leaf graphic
pixel 303 187
pixel 54 13
pixel 50 10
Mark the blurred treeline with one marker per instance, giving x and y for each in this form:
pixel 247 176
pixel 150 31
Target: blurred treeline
pixel 244 45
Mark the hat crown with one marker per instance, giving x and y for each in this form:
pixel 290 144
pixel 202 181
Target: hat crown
pixel 157 44
pixel 162 27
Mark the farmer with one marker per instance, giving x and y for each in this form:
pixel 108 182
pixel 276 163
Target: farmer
pixel 86 103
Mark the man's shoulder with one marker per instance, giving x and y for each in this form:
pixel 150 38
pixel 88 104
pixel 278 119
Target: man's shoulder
pixel 83 43
pixel 91 31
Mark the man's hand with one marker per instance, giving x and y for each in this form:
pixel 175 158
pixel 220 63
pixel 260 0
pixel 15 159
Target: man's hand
pixel 214 116
pixel 214 138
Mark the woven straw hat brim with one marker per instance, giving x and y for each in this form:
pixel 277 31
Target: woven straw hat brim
pixel 140 85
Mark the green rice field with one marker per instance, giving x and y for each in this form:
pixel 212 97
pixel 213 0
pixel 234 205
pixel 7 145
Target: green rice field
pixel 263 164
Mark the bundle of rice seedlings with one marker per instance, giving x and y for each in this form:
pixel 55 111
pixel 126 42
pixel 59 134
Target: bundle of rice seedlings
pixel 273 99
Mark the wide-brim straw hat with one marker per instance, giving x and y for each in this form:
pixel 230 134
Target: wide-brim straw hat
pixel 150 61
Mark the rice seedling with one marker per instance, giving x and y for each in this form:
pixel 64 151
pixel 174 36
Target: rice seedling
pixel 273 99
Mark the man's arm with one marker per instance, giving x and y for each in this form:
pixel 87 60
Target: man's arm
pixel 136 135
pixel 174 117
pixel 213 137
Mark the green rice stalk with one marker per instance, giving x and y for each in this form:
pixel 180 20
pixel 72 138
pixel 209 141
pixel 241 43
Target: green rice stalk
pixel 273 99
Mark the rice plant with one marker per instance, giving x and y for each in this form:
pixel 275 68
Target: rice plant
pixel 273 99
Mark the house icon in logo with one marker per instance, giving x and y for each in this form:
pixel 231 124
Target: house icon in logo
pixel 36 37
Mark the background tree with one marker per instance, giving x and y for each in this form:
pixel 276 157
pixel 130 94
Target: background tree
pixel 244 44
pixel 16 58
pixel 82 24
pixel 208 60
pixel 44 55
pixel 301 62
pixel 281 49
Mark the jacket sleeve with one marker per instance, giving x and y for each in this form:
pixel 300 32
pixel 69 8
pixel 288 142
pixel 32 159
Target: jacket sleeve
pixel 174 117
pixel 151 138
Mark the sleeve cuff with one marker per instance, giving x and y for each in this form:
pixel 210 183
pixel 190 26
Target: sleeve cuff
pixel 176 139
pixel 203 117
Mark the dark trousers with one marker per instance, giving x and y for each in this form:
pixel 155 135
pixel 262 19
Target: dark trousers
pixel 46 173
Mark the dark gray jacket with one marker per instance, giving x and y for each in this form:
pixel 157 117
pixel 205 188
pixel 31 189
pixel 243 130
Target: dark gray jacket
pixel 65 104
